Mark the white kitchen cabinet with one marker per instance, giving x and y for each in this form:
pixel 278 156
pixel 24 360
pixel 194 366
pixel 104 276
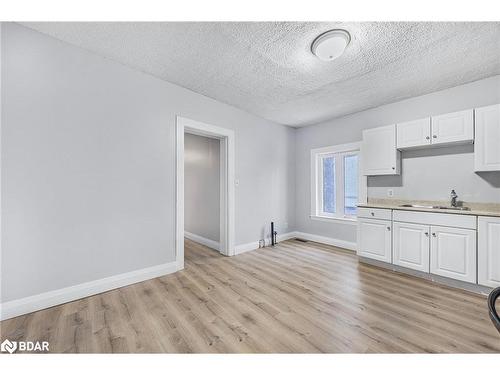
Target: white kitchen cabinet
pixel 415 133
pixel 487 139
pixel 435 218
pixel 379 152
pixel 374 239
pixel 411 246
pixel 453 253
pixel 374 213
pixel 488 251
pixel 456 127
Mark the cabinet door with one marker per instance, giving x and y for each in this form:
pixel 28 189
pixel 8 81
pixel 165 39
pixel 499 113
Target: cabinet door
pixel 414 133
pixel 379 152
pixel 488 251
pixel 487 139
pixel 374 239
pixel 457 127
pixel 453 253
pixel 411 246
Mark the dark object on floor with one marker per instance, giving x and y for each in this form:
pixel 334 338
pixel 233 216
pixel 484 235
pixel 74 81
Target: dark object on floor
pixel 301 240
pixel 495 293
pixel 273 234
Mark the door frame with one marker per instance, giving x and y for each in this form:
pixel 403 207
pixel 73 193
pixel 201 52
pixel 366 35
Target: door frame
pixel 227 156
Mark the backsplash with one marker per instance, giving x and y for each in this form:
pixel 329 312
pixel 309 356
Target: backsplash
pixel 430 174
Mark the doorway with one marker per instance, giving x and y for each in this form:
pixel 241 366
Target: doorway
pixel 226 183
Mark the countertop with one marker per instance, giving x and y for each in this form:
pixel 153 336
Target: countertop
pixel 476 209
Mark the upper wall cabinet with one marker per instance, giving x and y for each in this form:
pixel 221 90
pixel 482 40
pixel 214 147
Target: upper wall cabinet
pixel 456 127
pixel 487 139
pixel 415 133
pixel 379 151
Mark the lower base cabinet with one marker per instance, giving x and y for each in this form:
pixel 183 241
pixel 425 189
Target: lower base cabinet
pixel 488 251
pixel 411 246
pixel 453 253
pixel 374 239
pixel 460 247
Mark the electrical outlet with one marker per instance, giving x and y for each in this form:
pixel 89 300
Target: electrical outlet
pixel 261 243
pixel 390 192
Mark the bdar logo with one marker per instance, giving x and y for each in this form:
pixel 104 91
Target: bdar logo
pixel 8 346
pixel 24 346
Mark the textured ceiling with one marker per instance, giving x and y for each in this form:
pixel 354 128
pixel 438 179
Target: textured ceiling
pixel 267 68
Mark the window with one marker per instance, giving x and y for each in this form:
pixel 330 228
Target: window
pixel 336 187
pixel 350 184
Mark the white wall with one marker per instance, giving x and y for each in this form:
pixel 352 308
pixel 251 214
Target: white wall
pixel 88 158
pixel 426 174
pixel 201 186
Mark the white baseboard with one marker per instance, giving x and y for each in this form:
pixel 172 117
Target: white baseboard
pixel 203 240
pixel 42 301
pixel 243 248
pixel 327 240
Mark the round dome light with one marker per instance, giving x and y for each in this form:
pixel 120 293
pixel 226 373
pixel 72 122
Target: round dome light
pixel 330 45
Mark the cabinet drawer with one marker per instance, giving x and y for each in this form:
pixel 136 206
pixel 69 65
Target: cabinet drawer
pixel 431 218
pixel 375 213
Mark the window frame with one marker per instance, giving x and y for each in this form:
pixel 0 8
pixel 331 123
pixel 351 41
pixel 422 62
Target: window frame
pixel 339 152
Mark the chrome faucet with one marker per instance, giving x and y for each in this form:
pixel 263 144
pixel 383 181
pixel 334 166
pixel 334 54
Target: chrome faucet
pixel 454 197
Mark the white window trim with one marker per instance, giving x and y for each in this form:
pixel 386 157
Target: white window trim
pixel 316 187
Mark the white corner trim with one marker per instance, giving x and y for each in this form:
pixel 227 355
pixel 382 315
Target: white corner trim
pixel 340 220
pixel 243 248
pixel 354 146
pixel 41 301
pixel 203 240
pixel 327 240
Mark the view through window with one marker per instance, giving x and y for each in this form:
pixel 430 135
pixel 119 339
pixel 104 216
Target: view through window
pixel 337 184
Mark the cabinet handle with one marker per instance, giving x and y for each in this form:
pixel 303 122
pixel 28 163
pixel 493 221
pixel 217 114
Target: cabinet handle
pixel 427 234
pixel 393 167
pixel 433 234
pixel 434 136
pixel 388 228
pixel 373 213
pixel 427 137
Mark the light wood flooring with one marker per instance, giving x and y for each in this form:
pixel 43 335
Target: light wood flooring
pixel 296 297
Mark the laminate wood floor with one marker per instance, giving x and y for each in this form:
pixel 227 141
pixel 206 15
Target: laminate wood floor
pixel 296 297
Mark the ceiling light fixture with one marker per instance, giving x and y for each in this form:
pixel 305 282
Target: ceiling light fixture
pixel 330 45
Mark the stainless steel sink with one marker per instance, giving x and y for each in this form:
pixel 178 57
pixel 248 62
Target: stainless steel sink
pixel 435 207
pixel 418 206
pixel 455 208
